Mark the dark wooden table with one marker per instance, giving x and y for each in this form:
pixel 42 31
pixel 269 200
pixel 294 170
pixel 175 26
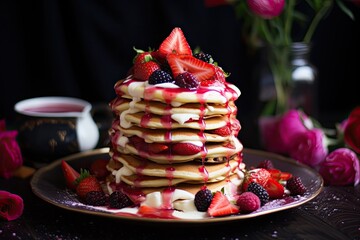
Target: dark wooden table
pixel 333 214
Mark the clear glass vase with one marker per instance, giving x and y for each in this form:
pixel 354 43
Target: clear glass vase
pixel 287 80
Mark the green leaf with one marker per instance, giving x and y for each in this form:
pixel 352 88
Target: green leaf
pixel 345 9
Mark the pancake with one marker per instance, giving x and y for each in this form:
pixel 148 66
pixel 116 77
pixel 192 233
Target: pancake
pixel 212 150
pixel 177 135
pixel 156 122
pixel 189 171
pixel 119 105
pixel 130 88
pixel 231 182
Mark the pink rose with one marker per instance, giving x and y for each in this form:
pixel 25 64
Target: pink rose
pixel 309 147
pixel 352 130
pixel 10 157
pixel 11 206
pixel 266 8
pixel 277 132
pixel 340 168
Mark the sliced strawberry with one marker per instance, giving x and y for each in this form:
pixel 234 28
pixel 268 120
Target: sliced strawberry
pixel 275 173
pixel 219 75
pixel 211 83
pixel 87 183
pixel 70 175
pixel 221 206
pixel 151 212
pixel 258 175
pixel 279 175
pixel 285 176
pixel 274 189
pixel 175 43
pixel 157 147
pixel 98 168
pixel 224 131
pixel 185 149
pixel 186 63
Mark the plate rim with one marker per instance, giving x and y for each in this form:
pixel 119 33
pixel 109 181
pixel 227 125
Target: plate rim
pixel 37 177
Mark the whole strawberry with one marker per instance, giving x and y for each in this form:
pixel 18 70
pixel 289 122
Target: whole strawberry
pixel 144 65
pixel 87 183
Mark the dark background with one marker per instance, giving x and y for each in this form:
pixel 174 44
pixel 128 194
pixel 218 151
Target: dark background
pixel 80 48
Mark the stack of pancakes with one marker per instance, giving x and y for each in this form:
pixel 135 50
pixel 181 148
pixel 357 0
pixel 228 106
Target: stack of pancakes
pixel 172 137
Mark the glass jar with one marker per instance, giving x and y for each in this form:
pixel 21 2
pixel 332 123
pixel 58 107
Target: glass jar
pixel 304 90
pixel 287 80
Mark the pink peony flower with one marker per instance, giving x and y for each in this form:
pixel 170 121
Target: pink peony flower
pixel 10 157
pixel 11 206
pixel 309 147
pixel 340 168
pixel 352 130
pixel 277 132
pixel 266 8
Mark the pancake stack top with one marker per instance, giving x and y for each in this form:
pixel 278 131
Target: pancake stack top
pixel 175 128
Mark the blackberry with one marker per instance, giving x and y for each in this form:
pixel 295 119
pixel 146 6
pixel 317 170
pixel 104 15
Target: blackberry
pixel 267 164
pixel 259 191
pixel 295 186
pixel 119 200
pixel 187 80
pixel 203 199
pixel 160 76
pixel 204 57
pixel 95 198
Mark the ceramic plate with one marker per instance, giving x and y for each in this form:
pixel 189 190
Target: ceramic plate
pixel 48 184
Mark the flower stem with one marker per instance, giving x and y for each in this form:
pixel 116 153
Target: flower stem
pixel 315 22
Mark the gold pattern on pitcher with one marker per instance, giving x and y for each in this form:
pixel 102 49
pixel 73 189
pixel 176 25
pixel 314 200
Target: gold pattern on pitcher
pixel 62 135
pixel 30 125
pixel 52 144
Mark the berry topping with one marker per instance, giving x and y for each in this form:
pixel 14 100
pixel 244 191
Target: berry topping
pixel 96 198
pixel 295 186
pixel 70 175
pixel 248 202
pixel 160 76
pixel 258 175
pixel 274 189
pixel 221 206
pixel 267 164
pixel 186 63
pixel 185 149
pixel 98 168
pixel 224 131
pixel 204 57
pixel 86 183
pixel 175 43
pixel 203 199
pixel 279 175
pixel 144 66
pixel 187 80
pixel 119 200
pixel 259 191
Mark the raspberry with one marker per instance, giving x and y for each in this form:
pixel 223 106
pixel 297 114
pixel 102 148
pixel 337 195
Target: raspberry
pixel 187 80
pixel 203 199
pixel 95 198
pixel 160 76
pixel 204 57
pixel 267 164
pixel 295 186
pixel 248 202
pixel 119 200
pixel 259 191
